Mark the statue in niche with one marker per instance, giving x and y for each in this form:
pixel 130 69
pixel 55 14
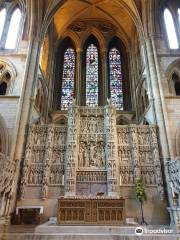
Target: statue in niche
pixel 156 154
pixel 100 155
pixel 45 190
pixel 92 152
pixel 153 135
pixel 86 158
pixel 31 181
pixel 133 136
pixel 51 177
pixel 81 154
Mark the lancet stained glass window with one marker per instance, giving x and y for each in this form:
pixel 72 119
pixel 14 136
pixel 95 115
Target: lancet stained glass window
pixel 92 76
pixel 68 78
pixel 115 78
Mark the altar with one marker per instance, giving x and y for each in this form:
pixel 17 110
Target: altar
pixel 90 210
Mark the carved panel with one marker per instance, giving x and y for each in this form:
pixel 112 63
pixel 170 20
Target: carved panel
pixel 8 169
pixel 138 155
pixel 91 176
pixel 90 211
pixel 57 174
pixel 91 155
pixel 35 174
pixel 91 149
pixel 44 158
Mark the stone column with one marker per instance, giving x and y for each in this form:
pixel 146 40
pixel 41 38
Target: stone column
pixel 2 205
pixel 112 165
pixel 157 100
pixel 23 112
pixel 71 156
pixel 159 107
pixel 78 75
pixel 105 76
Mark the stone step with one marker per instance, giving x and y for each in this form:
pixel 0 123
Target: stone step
pixel 83 237
pixel 54 232
pixel 22 228
pixel 99 230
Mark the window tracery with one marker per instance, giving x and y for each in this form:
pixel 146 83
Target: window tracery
pixel 92 75
pixel 68 78
pixel 115 78
pixel 86 80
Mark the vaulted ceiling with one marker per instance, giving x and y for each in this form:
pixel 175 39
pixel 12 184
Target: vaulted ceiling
pixel 122 13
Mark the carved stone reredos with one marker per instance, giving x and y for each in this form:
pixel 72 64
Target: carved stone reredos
pixel 91 148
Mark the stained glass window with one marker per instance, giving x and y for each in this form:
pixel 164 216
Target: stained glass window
pixel 92 76
pixel 13 29
pixel 68 78
pixel 115 78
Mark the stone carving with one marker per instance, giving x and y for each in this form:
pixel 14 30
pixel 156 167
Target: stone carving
pixel 91 148
pixel 103 26
pixel 138 150
pixel 126 175
pixel 92 124
pixel 78 26
pixel 148 175
pixel 111 148
pixel 8 169
pixel 45 150
pixel 56 172
pixel 91 176
pixel 174 173
pixel 35 174
pixel 91 155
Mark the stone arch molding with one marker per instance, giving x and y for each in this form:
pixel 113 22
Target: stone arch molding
pixel 7 74
pixel 3 137
pixel 122 120
pixel 174 67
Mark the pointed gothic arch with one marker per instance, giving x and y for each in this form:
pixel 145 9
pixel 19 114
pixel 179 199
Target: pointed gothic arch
pixel 91 84
pixel 124 101
pixel 65 80
pixel 7 77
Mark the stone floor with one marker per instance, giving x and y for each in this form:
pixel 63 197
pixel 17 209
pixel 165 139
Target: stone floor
pixel 48 232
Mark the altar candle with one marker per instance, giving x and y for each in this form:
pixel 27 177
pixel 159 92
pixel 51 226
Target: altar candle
pixel 172 189
pixel 63 179
pixel 120 180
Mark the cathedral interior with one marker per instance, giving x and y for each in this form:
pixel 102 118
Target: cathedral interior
pixel 89 105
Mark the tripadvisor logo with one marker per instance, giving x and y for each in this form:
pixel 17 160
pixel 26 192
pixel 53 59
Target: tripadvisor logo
pixel 139 231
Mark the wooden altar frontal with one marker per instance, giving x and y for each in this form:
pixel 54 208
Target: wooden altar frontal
pixel 94 210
